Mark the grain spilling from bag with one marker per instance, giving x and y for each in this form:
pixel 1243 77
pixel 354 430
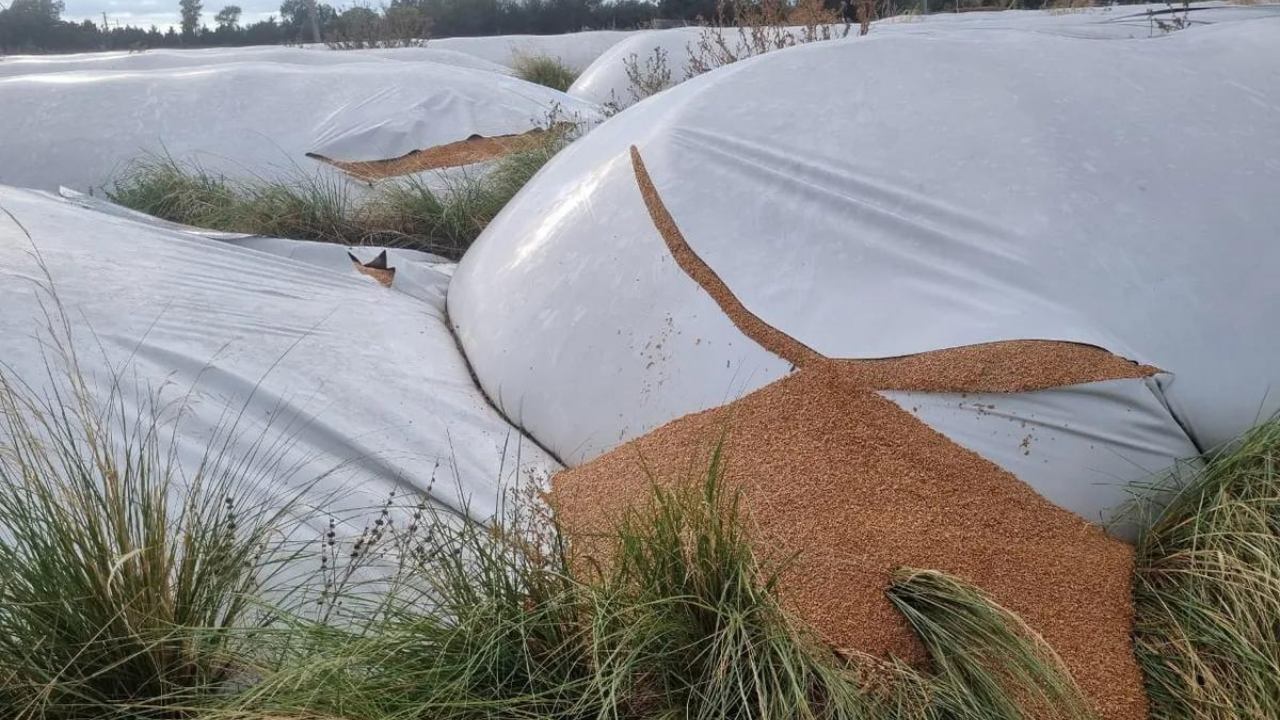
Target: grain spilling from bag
pixel 474 149
pixel 1007 366
pixel 857 488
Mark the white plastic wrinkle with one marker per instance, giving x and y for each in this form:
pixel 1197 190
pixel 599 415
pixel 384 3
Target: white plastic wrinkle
pixel 255 120
pixel 357 389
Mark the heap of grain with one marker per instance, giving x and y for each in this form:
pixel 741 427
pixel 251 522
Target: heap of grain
pixel 856 487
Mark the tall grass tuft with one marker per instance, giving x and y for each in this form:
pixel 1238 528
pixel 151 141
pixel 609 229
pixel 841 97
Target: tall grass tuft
pixel 305 208
pixel 126 587
pixel 482 621
pixel 409 212
pixel 987 662
pixel 544 70
pixel 701 615
pixel 744 29
pixel 1207 587
pixel 130 583
pixel 502 621
pixel 160 186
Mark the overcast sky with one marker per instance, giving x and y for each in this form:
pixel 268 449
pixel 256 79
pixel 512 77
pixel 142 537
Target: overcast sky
pixel 161 13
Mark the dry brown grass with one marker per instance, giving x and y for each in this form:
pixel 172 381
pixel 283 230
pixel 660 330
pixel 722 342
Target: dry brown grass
pixel 744 30
pixel 651 78
pixel 1062 7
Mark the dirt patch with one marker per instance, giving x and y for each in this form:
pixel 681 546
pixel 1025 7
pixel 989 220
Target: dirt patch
pixel 474 149
pixel 859 487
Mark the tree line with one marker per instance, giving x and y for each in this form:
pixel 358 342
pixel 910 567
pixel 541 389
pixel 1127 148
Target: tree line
pixel 36 26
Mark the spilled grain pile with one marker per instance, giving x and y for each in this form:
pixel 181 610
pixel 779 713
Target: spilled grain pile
pixel 854 487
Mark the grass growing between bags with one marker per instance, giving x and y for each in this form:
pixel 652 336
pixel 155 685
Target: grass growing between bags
pixel 544 70
pixel 448 222
pixel 1207 589
pixel 126 590
pixel 397 213
pixel 311 208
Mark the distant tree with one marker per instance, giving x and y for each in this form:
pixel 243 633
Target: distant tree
pixel 292 11
pixel 30 24
pixel 264 32
pixel 688 9
pixel 313 22
pixel 191 10
pixel 306 17
pixel 49 11
pixel 228 17
pixel 37 25
pixel 405 22
pixel 355 23
pixel 625 13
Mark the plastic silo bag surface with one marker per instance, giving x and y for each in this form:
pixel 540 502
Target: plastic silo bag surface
pixel 420 275
pixel 359 389
pixel 256 119
pixel 957 189
pixel 575 50
pixel 606 80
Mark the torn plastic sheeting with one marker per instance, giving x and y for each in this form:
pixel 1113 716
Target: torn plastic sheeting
pixel 420 275
pixel 1081 192
pixel 354 111
pixel 1088 448
pixel 458 154
pixel 991 230
pixel 362 389
pixel 1028 219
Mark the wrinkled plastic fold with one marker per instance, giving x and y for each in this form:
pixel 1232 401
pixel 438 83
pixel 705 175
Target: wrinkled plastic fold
pixel 334 385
